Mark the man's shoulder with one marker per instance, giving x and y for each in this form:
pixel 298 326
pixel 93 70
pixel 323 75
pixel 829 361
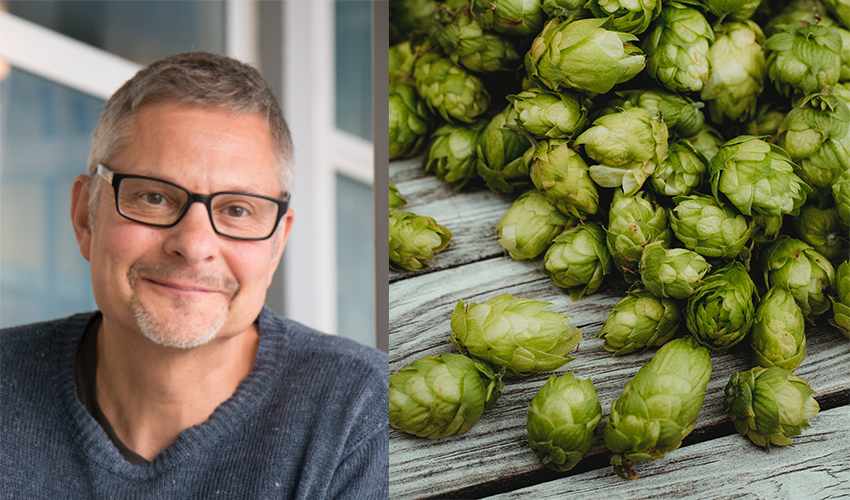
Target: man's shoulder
pixel 37 336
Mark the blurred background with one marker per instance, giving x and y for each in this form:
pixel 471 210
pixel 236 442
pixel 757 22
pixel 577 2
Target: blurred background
pixel 61 60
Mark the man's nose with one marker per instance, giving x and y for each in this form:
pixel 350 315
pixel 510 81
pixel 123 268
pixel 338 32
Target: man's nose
pixel 193 238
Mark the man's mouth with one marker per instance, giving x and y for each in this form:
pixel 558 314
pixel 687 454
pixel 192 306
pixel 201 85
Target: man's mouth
pixel 184 288
pixel 182 283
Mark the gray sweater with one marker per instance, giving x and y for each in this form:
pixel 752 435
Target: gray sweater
pixel 309 422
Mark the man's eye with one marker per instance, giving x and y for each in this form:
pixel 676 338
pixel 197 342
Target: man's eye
pixel 236 212
pixel 153 198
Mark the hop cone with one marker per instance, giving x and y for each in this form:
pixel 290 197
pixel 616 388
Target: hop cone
pixel 408 17
pixel 583 55
pixel 841 196
pixel 628 145
pixel 740 10
pixel 721 313
pixel 626 15
pixel 677 48
pixel 796 267
pixel 409 121
pixel 529 226
pixel 467 44
pixel 707 141
pixel 841 303
pixel 562 175
pixel 452 153
pixel 778 337
pixel 767 120
pixel 659 406
pixel 512 17
pixel 566 8
pixel 437 396
pixel 449 89
pixel 675 273
pixel 822 230
pixel 402 59
pixel 562 420
pixel 769 405
pixel 804 58
pixel 766 228
pixel 634 222
pixel 737 70
pixel 396 200
pixel 414 239
pixel 757 176
pixel 640 320
pixel 578 260
pixel 839 9
pixel 500 150
pixel 681 172
pixel 680 114
pixel 549 115
pixel 514 333
pixel 709 229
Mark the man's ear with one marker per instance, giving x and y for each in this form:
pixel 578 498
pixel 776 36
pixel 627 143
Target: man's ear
pixel 80 215
pixel 284 228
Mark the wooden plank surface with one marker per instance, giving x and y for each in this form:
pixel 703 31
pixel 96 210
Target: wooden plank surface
pixel 494 457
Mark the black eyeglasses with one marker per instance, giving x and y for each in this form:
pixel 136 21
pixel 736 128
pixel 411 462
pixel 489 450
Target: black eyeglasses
pixel 160 203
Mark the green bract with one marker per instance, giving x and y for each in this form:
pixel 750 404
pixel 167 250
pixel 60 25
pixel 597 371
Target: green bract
pixel 402 59
pixel 659 406
pixel 822 230
pixel 562 420
pixel 628 145
pixel 514 333
pixel 804 58
pixel 409 121
pixel 736 77
pixel 795 266
pixel 721 313
pixel 396 200
pixel 449 89
pixel 778 337
pixel 566 8
pixel 529 226
pixel 709 229
pixel 841 302
pixel 769 405
pixel 452 153
pixel 677 48
pixel 500 150
pixel 640 320
pixel 467 44
pixel 767 120
pixel 414 239
pixel 511 17
pixel 766 228
pixel 549 115
pixel 739 10
pixel 707 141
pixel 626 15
pixel 681 172
pixel 680 114
pixel 408 17
pixel 583 55
pixel 839 9
pixel 437 396
pixel 841 195
pixel 578 259
pixel 757 176
pixel 634 222
pixel 562 175
pixel 674 272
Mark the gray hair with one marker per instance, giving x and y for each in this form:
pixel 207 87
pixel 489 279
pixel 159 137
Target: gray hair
pixel 197 79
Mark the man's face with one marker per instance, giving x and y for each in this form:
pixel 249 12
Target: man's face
pixel 184 285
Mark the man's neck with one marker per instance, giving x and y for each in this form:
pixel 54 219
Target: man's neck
pixel 151 393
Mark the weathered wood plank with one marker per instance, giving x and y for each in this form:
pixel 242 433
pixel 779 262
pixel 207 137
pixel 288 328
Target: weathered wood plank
pixel 727 467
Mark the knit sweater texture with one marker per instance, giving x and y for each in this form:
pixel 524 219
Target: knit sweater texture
pixel 309 422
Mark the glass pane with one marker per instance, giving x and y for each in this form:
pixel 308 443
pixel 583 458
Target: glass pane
pixel 45 135
pixel 355 261
pixel 353 34
pixel 141 31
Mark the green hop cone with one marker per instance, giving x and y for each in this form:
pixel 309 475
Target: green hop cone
pixel 769 405
pixel 566 8
pixel 634 222
pixel 841 303
pixel 681 172
pixel 839 9
pixel 707 141
pixel 402 58
pixel 626 15
pixel 500 149
pixel 578 260
pixel 449 89
pixel 822 230
pixel 795 266
pixel 529 226
pixel 640 320
pixel 396 200
pixel 709 229
pixel 549 115
pixel 778 337
pixel 562 175
pixel 739 10
pixel 757 176
pixel 659 406
pixel 414 239
pixel 514 333
pixel 408 17
pixel 721 313
pixel 452 152
pixel 583 55
pixel 766 228
pixel 517 18
pixel 562 421
pixel 767 120
pixel 677 48
pixel 841 196
pixel 675 273
pixel 468 45
pixel 805 11
pixel 628 145
pixel 410 121
pixel 437 396
pixel 681 115
pixel 737 70
pixel 804 58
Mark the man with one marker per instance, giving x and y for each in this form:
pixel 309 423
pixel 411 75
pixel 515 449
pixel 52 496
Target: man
pixel 182 384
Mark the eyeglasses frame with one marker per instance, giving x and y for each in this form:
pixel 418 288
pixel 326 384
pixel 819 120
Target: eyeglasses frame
pixel 114 179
